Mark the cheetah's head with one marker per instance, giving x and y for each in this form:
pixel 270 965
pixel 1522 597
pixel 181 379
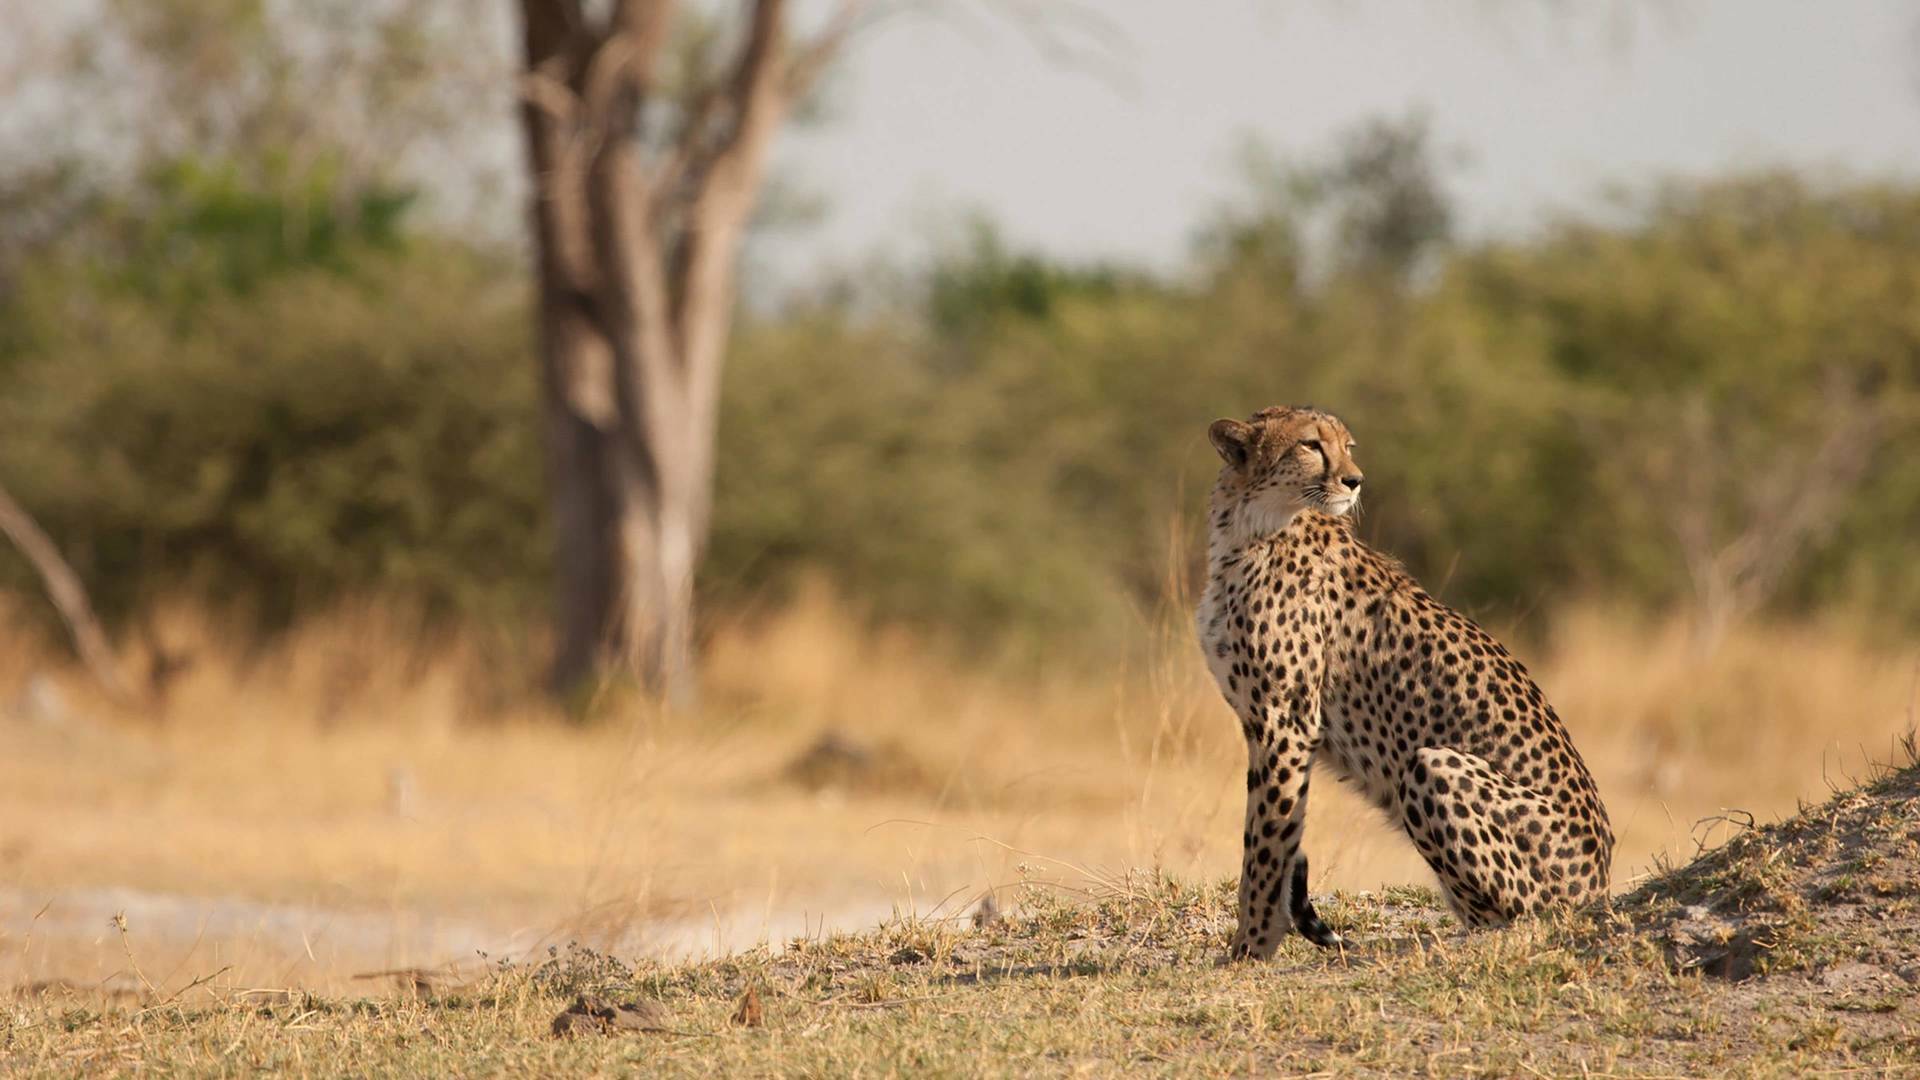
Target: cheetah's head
pixel 1283 461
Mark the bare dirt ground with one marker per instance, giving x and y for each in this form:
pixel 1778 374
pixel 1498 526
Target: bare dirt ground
pixel 1793 950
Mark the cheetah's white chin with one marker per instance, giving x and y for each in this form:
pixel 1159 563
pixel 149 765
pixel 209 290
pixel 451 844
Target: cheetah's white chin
pixel 1338 506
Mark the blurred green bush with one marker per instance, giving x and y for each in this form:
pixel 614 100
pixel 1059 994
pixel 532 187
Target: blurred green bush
pixel 265 393
pixel 202 400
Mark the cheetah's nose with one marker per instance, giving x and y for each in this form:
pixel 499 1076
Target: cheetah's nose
pixel 1352 482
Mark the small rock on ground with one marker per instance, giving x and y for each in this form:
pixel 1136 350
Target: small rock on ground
pixel 599 1016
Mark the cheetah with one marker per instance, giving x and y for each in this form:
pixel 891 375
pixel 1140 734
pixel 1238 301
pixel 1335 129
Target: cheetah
pixel 1329 651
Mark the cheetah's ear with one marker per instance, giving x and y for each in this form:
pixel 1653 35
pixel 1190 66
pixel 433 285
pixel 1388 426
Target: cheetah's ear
pixel 1230 438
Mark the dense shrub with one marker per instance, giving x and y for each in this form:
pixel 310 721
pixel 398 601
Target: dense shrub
pixel 317 435
pixel 1025 453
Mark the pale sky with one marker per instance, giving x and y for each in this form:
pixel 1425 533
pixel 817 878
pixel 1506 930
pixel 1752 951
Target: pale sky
pixel 936 115
pixel 952 108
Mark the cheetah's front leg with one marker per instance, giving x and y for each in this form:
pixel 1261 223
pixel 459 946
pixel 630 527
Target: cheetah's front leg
pixel 1273 869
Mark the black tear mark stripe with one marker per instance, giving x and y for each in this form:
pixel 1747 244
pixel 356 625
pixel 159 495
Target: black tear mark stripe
pixel 1305 919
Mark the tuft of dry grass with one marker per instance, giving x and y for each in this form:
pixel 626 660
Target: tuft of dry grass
pixel 362 795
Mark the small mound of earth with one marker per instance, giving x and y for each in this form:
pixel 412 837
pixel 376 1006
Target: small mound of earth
pixel 837 761
pixel 1833 892
pixel 589 1015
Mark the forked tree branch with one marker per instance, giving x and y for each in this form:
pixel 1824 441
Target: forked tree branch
pixel 726 187
pixel 757 95
pixel 700 143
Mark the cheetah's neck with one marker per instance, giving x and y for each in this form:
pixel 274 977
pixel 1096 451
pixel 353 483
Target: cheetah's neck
pixel 1235 526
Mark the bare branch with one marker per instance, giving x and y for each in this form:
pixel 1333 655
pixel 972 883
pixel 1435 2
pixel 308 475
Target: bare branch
pixel 758 83
pixel 727 182
pixel 1075 36
pixel 550 95
pixel 611 84
pixel 1800 509
pixel 812 59
pixel 645 26
pixel 619 72
pixel 1786 504
pixel 694 148
pixel 68 595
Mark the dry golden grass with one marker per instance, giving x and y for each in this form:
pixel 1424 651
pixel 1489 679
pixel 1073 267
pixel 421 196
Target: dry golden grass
pixel 1788 952
pixel 360 796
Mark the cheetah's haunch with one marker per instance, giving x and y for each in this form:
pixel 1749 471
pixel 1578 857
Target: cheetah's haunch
pixel 1329 651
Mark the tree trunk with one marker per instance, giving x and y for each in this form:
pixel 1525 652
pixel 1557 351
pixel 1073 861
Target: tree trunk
pixel 637 235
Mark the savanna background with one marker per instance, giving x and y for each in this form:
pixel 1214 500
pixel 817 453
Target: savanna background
pixel 270 384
